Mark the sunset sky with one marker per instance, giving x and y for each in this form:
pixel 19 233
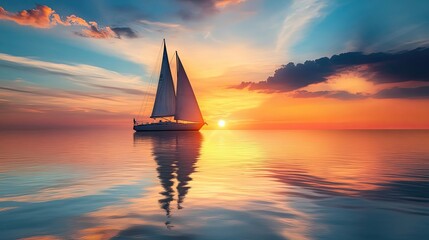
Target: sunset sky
pixel 356 64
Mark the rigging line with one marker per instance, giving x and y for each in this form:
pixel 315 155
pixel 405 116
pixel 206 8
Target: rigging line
pixel 172 75
pixel 150 90
pixel 172 59
pixel 146 92
pixel 146 95
pixel 154 82
pixel 152 79
pixel 151 84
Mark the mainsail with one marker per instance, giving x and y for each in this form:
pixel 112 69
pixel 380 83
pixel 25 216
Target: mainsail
pixel 165 99
pixel 187 108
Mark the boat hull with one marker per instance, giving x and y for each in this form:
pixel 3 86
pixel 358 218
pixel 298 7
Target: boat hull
pixel 168 126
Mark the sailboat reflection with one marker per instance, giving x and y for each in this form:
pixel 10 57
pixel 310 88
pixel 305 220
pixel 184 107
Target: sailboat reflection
pixel 176 154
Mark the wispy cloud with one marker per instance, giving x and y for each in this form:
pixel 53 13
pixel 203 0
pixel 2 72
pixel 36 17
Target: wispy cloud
pixel 95 32
pixel 93 87
pixel 45 17
pixel 298 16
pixel 197 9
pixel 51 93
pixel 224 3
pixel 76 72
pixel 78 94
pixel 57 106
pixel 161 27
pixel 160 24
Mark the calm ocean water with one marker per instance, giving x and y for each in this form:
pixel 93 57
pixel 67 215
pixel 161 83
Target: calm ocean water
pixel 214 185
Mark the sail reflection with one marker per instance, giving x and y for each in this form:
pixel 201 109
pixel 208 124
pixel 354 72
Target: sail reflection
pixel 176 154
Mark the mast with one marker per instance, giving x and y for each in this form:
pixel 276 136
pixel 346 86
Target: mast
pixel 165 99
pixel 187 108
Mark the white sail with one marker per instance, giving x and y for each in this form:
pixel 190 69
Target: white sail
pixel 187 108
pixel 165 99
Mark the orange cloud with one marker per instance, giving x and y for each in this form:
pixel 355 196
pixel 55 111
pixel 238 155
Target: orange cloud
pixel 224 3
pixel 40 17
pixel 95 32
pixel 45 17
pixel 70 20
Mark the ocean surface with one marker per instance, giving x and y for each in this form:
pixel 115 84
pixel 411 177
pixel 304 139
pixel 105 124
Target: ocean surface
pixel 214 185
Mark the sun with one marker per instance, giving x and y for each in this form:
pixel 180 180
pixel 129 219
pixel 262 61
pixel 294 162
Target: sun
pixel 221 123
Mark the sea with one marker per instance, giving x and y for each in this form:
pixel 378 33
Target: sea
pixel 214 184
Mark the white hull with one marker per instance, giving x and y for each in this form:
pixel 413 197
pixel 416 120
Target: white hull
pixel 168 126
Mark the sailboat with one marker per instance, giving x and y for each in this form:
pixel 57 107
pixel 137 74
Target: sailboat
pixel 182 105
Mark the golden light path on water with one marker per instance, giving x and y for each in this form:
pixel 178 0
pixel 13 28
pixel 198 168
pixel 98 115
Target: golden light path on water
pixel 213 184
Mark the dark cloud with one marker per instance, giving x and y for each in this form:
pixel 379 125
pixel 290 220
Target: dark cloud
pixel 197 9
pixel 124 32
pixel 102 33
pixel 396 92
pixel 412 65
pixel 15 90
pixel 418 92
pixel 343 95
pixel 405 66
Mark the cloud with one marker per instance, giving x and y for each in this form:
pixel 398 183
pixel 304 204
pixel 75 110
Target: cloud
pixel 45 17
pixel 397 92
pixel 57 93
pixel 124 32
pixel 40 17
pixel 78 91
pixel 70 20
pixel 198 9
pixel 224 3
pixel 152 26
pixel 121 89
pixel 160 24
pixel 80 73
pixel 299 15
pixel 95 32
pixel 405 66
pixel 343 95
pixel 15 90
